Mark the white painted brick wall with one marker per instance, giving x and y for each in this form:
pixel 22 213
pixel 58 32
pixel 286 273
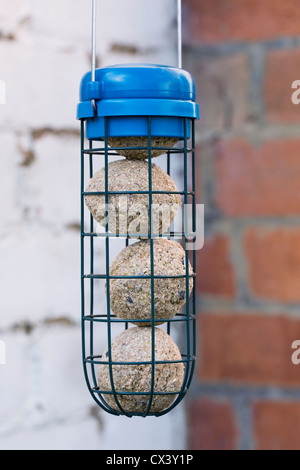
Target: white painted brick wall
pixel 44 52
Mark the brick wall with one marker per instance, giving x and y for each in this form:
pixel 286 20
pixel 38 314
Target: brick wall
pixel 244 56
pixel 44 52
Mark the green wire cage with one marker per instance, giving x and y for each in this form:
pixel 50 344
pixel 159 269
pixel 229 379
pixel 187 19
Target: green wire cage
pixel 148 102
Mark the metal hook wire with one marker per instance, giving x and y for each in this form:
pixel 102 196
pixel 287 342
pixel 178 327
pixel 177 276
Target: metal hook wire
pixel 179 33
pixel 93 71
pixel 179 41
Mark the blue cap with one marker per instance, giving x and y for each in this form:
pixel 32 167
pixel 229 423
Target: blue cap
pixel 139 81
pixel 137 90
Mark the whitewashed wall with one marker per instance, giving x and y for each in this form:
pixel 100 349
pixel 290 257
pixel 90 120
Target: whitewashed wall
pixel 44 51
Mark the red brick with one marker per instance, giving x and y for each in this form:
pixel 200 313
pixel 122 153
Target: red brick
pixel 211 426
pixel 216 274
pixel 277 425
pixel 261 181
pixel 251 349
pixel 274 263
pixel 216 21
pixel 282 68
pixel 223 87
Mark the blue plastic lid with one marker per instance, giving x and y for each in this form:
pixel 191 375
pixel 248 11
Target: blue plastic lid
pixel 138 90
pixel 139 81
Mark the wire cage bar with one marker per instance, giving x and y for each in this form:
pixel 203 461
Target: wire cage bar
pixel 95 279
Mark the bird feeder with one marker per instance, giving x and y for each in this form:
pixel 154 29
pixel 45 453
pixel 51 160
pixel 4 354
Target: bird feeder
pixel 138 112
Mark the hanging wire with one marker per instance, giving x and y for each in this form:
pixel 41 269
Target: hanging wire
pixel 179 33
pixel 179 40
pixel 93 72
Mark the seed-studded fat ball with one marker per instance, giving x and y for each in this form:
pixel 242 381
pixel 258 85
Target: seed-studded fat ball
pixel 129 213
pixel 166 142
pixel 135 345
pixel 131 298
